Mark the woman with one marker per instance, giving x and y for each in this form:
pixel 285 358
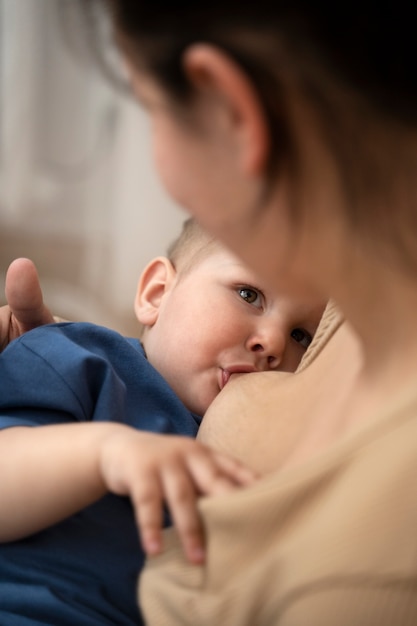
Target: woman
pixel 289 130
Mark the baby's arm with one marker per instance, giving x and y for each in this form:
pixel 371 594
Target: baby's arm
pixel 26 309
pixel 51 472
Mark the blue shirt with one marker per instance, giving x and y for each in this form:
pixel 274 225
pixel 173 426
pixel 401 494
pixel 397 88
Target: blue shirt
pixel 82 571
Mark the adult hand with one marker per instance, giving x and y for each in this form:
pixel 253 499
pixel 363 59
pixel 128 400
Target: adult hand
pixel 25 309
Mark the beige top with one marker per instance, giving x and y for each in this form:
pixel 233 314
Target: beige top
pixel 332 541
pixel 331 321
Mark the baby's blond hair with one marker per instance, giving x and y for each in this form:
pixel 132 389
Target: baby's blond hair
pixel 190 247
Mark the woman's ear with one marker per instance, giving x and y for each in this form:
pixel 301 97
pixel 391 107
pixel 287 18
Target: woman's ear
pixel 212 70
pixel 155 280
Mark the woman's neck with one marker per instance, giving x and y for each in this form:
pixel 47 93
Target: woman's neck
pixel 381 305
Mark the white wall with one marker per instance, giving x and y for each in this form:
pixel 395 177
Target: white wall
pixel 78 192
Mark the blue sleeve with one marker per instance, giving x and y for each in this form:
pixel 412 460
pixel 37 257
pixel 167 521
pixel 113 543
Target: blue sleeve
pixel 48 377
pixel 75 372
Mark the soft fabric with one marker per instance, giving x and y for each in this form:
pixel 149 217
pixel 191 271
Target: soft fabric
pixel 330 322
pixel 332 541
pixel 83 571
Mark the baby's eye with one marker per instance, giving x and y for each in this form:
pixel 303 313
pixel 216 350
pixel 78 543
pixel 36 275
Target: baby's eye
pixel 250 295
pixel 302 337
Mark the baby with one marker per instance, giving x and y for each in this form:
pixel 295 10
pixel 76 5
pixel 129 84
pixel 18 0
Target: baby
pixel 118 417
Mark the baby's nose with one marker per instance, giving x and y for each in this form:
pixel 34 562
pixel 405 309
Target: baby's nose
pixel 269 349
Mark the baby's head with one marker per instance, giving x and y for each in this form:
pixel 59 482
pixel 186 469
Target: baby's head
pixel 207 319
pixel 192 244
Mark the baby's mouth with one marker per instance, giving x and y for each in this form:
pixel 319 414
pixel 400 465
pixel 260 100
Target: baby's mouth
pixel 226 374
pixel 225 377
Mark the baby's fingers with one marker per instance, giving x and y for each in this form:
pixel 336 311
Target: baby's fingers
pixel 147 501
pixel 181 497
pixel 204 472
pixel 232 470
pixel 215 473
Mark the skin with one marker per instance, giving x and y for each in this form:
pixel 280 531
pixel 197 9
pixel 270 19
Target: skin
pixel 234 201
pixel 26 309
pixel 293 409
pixel 216 322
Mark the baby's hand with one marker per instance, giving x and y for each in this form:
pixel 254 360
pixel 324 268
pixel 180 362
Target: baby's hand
pixel 153 469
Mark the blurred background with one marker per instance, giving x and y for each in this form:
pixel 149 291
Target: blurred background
pixel 78 191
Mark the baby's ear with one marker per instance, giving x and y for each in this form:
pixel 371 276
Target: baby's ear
pixel 154 282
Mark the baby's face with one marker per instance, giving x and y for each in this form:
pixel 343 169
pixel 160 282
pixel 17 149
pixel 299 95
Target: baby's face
pixel 216 322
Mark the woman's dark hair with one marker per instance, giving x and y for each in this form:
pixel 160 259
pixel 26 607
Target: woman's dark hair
pixel 369 47
pixel 354 62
